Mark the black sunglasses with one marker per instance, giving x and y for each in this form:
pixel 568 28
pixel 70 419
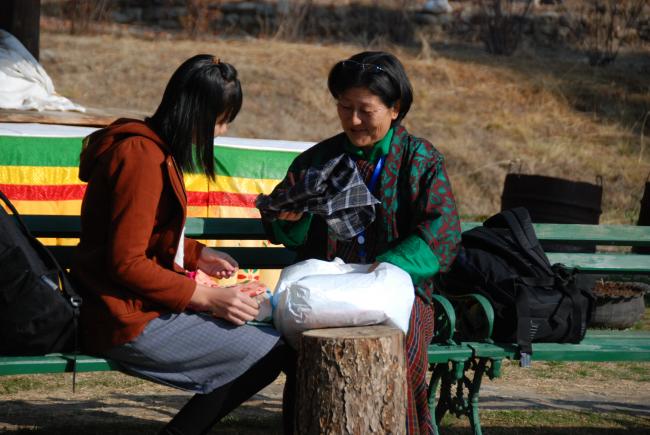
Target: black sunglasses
pixel 353 64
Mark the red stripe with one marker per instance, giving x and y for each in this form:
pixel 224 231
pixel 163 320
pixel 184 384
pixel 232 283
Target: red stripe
pixel 221 198
pixel 64 192
pixel 31 192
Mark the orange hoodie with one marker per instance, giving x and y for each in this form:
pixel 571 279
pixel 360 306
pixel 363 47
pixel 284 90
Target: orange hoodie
pixel 132 217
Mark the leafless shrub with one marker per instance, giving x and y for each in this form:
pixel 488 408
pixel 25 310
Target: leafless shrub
pixel 82 13
pixel 198 18
pixel 606 24
pixel 293 19
pixel 503 24
pixel 360 22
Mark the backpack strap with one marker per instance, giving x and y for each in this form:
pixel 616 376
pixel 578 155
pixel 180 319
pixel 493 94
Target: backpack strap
pixel 519 222
pixel 576 327
pixel 11 207
pixel 74 298
pixel 524 340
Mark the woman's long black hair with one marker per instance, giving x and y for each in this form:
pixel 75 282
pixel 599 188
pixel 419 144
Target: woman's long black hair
pixel 202 91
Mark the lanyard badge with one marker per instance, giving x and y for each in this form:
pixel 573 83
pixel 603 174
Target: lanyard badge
pixel 361 238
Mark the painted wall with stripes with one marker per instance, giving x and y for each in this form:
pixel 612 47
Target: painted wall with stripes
pixel 39 173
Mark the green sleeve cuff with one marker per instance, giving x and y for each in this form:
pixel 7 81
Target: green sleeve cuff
pixel 292 234
pixel 414 256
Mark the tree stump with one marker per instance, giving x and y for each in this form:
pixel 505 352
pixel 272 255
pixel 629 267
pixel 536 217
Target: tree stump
pixel 351 381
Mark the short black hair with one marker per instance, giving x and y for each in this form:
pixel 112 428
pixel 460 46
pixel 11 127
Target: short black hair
pixel 202 91
pixel 379 72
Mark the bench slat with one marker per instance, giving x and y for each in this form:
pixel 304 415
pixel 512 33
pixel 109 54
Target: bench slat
pixel 52 363
pixel 277 258
pixel 596 350
pixel 603 263
pixel 441 353
pixel 252 229
pixel 248 258
pixel 69 227
pixel 580 234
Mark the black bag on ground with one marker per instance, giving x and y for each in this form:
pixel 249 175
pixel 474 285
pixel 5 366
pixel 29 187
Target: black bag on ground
pixel 533 301
pixel 38 306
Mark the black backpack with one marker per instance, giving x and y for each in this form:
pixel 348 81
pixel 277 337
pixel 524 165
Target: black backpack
pixel 533 300
pixel 38 306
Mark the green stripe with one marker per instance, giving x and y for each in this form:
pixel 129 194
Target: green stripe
pixel 57 151
pixel 246 163
pixel 39 151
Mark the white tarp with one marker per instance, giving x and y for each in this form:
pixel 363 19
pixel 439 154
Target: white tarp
pixel 24 84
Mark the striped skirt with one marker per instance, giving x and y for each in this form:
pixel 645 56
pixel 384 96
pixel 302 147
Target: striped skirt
pixel 418 417
pixel 194 352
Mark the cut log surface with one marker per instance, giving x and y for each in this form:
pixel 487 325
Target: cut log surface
pixel 351 381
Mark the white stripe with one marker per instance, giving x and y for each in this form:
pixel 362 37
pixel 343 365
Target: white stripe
pixel 53 130
pixel 43 130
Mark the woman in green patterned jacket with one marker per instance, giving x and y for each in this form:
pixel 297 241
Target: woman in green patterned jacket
pixel 416 226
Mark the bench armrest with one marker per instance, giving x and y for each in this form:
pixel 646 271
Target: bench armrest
pixel 444 320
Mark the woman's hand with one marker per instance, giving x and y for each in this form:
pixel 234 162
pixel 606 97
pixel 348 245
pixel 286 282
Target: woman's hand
pixel 252 288
pixel 229 303
pixel 290 215
pixel 216 263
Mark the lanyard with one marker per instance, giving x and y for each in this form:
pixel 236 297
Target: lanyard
pixel 361 238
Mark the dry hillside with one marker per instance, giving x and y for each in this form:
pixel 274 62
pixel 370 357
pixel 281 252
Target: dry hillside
pixel 550 111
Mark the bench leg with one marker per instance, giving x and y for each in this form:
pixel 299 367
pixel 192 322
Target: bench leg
pixel 473 395
pixel 445 376
pixel 438 371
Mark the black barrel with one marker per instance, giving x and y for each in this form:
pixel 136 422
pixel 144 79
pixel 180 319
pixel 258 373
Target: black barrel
pixel 554 200
pixel 644 217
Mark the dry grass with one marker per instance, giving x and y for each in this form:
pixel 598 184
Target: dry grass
pixel 553 113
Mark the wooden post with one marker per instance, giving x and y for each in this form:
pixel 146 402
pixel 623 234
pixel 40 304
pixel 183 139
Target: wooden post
pixel 21 18
pixel 351 381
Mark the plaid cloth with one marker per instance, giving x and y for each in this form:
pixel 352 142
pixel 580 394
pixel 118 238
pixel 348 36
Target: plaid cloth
pixel 334 191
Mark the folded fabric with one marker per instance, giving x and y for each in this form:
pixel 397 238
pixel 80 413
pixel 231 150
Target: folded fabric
pixel 334 191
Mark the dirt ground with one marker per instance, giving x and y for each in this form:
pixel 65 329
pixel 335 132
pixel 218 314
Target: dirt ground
pixel 109 403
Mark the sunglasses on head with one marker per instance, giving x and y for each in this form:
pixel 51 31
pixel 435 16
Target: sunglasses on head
pixel 353 64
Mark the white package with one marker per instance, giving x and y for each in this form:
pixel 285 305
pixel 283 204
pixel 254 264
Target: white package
pixel 320 294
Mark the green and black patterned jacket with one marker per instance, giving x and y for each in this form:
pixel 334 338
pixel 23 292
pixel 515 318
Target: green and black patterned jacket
pixel 417 226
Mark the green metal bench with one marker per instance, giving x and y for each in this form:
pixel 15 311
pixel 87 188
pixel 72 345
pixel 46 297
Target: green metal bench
pixel 450 361
pixel 459 379
pixel 68 227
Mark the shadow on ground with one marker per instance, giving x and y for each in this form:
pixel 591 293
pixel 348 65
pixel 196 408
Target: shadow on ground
pixel 128 414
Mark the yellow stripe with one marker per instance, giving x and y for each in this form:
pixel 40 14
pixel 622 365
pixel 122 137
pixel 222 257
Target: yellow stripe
pixel 39 175
pixel 48 241
pixel 65 208
pixel 196 183
pixel 244 185
pixel 233 212
pixel 54 175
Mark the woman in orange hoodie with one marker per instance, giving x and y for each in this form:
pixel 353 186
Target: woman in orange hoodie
pixel 140 308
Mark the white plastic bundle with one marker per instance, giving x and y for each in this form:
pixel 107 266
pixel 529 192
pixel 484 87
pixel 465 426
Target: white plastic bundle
pixel 320 294
pixel 24 84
